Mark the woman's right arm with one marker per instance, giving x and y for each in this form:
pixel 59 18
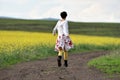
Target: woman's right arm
pixel 54 29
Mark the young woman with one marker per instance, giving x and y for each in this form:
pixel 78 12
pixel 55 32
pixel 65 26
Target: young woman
pixel 63 42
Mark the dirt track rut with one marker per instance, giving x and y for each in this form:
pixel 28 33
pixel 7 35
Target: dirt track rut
pixel 46 69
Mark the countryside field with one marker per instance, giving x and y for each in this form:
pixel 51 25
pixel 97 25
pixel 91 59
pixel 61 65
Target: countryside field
pixel 25 40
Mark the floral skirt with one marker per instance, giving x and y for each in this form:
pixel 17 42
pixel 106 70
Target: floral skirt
pixel 64 42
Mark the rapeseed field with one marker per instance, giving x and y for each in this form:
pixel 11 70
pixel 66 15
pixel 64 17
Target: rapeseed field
pixel 19 46
pixel 14 40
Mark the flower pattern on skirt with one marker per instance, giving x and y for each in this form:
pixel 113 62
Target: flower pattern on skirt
pixel 64 42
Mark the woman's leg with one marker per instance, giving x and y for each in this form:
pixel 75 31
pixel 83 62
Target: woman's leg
pixel 59 57
pixel 60 51
pixel 65 58
pixel 65 55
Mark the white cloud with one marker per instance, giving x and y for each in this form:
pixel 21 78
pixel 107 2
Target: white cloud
pixel 18 2
pixel 78 10
pixel 54 12
pixel 34 12
pixel 95 10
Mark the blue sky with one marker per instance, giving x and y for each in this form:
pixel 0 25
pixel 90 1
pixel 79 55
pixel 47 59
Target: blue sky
pixel 78 10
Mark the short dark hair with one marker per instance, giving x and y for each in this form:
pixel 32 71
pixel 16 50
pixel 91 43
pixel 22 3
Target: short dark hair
pixel 63 14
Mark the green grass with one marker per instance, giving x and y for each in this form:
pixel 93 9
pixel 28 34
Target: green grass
pixel 43 51
pixel 109 63
pixel 17 56
pixel 94 29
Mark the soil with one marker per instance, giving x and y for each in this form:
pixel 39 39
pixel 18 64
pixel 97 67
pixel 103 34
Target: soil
pixel 46 69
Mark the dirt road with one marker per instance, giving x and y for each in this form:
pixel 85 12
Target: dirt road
pixel 46 69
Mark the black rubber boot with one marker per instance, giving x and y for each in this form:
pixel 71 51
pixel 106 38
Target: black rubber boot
pixel 65 63
pixel 59 61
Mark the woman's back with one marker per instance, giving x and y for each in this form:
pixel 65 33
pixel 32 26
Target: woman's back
pixel 62 27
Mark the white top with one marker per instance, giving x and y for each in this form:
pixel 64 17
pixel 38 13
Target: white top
pixel 62 28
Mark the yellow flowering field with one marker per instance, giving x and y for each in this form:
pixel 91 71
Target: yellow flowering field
pixel 97 40
pixel 11 40
pixel 19 46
